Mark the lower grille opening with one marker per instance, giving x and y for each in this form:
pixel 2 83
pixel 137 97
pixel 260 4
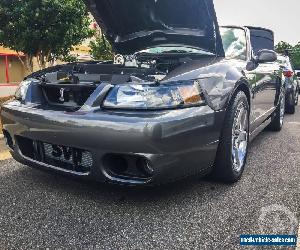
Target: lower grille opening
pixel 26 147
pixel 67 158
pixel 8 139
pixel 127 166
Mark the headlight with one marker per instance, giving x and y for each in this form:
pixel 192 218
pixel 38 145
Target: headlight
pixel 163 96
pixel 22 90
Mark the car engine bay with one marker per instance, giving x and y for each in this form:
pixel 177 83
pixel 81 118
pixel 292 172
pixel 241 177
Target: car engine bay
pixel 67 87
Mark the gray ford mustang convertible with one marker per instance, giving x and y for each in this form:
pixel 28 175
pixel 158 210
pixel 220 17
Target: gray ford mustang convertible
pixel 182 97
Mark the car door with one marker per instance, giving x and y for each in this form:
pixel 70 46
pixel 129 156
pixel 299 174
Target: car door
pixel 266 88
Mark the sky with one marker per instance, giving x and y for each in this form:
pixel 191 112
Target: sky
pixel 283 17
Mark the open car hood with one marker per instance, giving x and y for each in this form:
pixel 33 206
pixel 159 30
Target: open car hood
pixel 134 25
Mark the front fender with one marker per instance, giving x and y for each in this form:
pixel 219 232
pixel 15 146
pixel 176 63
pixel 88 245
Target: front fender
pixel 218 81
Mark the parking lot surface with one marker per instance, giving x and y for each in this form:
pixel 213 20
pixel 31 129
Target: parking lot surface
pixel 41 210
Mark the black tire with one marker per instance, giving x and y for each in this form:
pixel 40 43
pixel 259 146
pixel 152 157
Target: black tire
pixel 224 163
pixel 277 121
pixel 290 109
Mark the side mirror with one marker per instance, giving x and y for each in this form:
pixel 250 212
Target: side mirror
pixel 265 56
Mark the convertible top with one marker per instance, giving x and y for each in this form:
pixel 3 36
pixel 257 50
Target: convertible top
pixel 261 38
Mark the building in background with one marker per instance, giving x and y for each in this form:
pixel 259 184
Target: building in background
pixel 11 68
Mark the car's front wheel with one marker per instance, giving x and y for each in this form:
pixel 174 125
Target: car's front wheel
pixel 233 147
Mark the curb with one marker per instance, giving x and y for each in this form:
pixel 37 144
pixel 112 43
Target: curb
pixel 5 155
pixel 9 84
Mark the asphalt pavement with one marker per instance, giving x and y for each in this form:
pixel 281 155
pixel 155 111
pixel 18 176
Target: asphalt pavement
pixel 40 210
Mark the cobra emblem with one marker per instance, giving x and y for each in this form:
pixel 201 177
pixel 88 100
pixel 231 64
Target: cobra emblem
pixel 61 98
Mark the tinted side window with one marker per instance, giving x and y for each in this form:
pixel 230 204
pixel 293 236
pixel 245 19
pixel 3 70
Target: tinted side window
pixel 261 39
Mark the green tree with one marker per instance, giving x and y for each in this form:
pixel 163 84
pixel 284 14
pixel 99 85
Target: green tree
pixel 293 52
pixel 282 47
pixel 295 55
pixel 45 29
pixel 101 49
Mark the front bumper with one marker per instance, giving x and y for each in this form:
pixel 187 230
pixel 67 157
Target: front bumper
pixel 176 143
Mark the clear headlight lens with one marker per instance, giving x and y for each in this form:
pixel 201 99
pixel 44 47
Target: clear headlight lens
pixel 163 96
pixel 22 90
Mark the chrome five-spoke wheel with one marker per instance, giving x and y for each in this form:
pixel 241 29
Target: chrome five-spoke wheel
pixel 232 151
pixel 240 137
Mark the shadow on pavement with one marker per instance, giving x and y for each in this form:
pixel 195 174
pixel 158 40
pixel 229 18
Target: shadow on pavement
pixel 92 190
pixel 55 182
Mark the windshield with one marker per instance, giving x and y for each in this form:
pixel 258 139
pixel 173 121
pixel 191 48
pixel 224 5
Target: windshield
pixel 175 49
pixel 234 43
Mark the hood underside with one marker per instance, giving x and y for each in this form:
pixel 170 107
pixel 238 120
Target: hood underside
pixel 134 25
